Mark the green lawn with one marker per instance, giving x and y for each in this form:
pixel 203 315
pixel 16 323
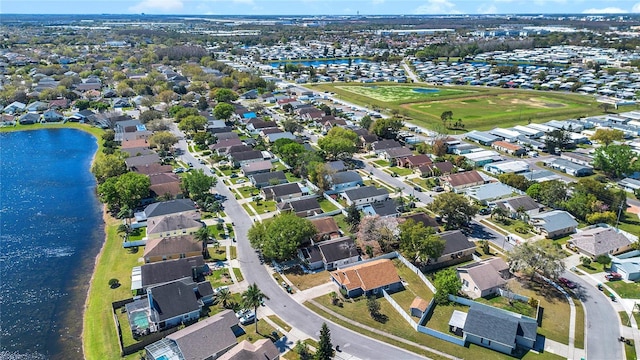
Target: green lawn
pixel 593 268
pixel 342 224
pixel 137 234
pixel 292 178
pixel 264 206
pixel 238 273
pixel 99 337
pixel 283 325
pixel 630 350
pixel 381 162
pixel 219 254
pixel 439 319
pixel 630 223
pixel 220 277
pixel 625 290
pixel 401 171
pixel 511 225
pixel 516 306
pixel 233 252
pixel 579 334
pixel 326 205
pixel 415 285
pixel 248 191
pixel 478 108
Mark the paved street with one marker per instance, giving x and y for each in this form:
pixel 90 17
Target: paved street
pixel 280 302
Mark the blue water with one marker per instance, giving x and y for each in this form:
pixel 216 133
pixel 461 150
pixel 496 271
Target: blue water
pixel 316 63
pixel 51 231
pixel 425 90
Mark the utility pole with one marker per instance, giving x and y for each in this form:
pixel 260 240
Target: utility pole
pixel 619 213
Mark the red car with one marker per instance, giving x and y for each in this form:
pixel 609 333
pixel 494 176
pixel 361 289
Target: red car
pixel 568 283
pixel 613 276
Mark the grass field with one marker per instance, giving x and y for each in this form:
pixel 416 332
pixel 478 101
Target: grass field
pixel 479 108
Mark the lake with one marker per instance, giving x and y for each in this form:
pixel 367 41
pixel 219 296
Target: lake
pixel 316 63
pixel 51 232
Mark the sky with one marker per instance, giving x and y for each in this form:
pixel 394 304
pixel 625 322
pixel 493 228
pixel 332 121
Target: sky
pixel 318 7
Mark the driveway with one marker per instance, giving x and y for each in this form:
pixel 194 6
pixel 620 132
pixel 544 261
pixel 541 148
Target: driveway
pixel 279 301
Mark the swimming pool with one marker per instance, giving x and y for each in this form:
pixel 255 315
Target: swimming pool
pixel 140 319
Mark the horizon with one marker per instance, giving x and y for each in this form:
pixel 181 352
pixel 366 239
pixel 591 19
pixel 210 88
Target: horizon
pixel 320 7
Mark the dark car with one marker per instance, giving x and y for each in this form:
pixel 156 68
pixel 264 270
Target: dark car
pixel 568 283
pixel 417 188
pixel 613 276
pixel 484 211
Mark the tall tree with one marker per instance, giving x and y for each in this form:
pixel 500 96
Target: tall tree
pixel 353 216
pixel 542 257
pixel 418 242
pixel 339 143
pixel 107 166
pixel 378 233
pixel 454 209
pixel 202 235
pixel 226 95
pixel 387 128
pixel 446 283
pixel 616 160
pixel 163 140
pixel 223 111
pixel 284 234
pixel 252 298
pixel 325 348
pixel 607 136
pixel 257 234
pixel 192 123
pixel 197 184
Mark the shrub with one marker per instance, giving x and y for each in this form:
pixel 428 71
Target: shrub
pixel 206 152
pixel 586 261
pixel 114 283
pixel 533 302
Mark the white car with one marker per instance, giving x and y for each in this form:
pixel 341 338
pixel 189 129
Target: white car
pixel 217 290
pixel 248 318
pixel 241 181
pixel 243 312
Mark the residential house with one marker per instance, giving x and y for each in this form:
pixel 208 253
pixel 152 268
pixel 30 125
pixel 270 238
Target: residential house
pixel 338 252
pixel 368 278
pixel 167 248
pixel 396 153
pixel 483 138
pixel 436 169
pixel 153 169
pixel 486 193
pixel 163 184
pixel 243 158
pixel 457 249
pixel 629 184
pixel 263 349
pixel 577 158
pixel 265 179
pixel 162 272
pixel 172 225
pixel 569 167
pixel 414 161
pixel 507 167
pixel 365 195
pixel 256 167
pixel 52 116
pixel 282 192
pixel 484 278
pixel 627 265
pixel 522 207
pixel 171 207
pixel 15 107
pixel 421 217
pixel 598 241
pixel 222 146
pixel 509 148
pixel 29 119
pixel 343 181
pixel 381 146
pixel 457 182
pixel 177 302
pixel 273 137
pixel 387 208
pixel 553 224
pixel 207 339
pixel 141 161
pixel 336 166
pixel 301 207
pixel 499 329
pixel 327 229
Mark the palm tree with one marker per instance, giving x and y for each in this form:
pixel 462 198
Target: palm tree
pixel 223 296
pixel 253 297
pixel 202 235
pixel 499 213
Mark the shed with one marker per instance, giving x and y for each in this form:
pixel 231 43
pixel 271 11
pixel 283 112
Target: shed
pixel 418 307
pixel 456 323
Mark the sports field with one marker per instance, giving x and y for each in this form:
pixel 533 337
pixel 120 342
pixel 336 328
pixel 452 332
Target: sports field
pixel 403 94
pixel 480 108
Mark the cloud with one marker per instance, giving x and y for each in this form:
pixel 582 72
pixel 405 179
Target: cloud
pixel 437 7
pixel 378 2
pixel 636 8
pixel 607 10
pixel 487 9
pixel 157 5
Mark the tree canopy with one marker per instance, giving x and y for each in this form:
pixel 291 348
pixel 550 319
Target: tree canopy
pixel 446 282
pixel 454 209
pixel 542 257
pixel 339 143
pixel 607 136
pixel 387 128
pixel 616 160
pixel 223 111
pixel 125 190
pixel 197 184
pixel 418 242
pixel 192 123
pixel 107 166
pixel 225 95
pixel 280 237
pixel 325 348
pixel 163 140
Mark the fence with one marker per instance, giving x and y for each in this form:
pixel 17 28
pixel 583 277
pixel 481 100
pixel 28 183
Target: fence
pixel 417 271
pixel 399 309
pixel 130 244
pixel 440 335
pixel 512 295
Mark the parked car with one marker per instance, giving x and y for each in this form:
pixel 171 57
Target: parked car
pixel 241 181
pixel 178 170
pixel 242 313
pixel 438 189
pixel 217 290
pixel 417 188
pixel 568 283
pixel 484 211
pixel 613 276
pixel 248 318
pixel 233 176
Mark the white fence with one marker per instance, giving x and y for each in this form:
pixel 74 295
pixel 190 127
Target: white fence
pixel 399 309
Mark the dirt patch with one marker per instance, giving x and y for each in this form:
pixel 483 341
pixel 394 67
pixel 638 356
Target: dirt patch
pixel 533 102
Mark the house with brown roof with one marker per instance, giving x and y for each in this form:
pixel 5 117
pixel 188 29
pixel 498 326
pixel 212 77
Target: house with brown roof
pixel 368 278
pixel 436 169
pixel 462 180
pixel 154 168
pixel 484 278
pixel 421 217
pixel 418 307
pixel 327 229
pixel 163 184
pixel 396 153
pixel 174 247
pixel 509 148
pixel 134 143
pixel 414 161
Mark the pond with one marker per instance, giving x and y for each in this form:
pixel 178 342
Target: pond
pixel 426 90
pixel 316 63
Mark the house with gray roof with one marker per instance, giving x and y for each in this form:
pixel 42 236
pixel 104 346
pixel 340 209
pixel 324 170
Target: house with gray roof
pixel 172 225
pixel 629 184
pixel 301 207
pixel 344 180
pixel 457 249
pixel 177 206
pixel 482 279
pixel 141 161
pixel 256 167
pixel 553 224
pixel 598 241
pixel 206 339
pixel 569 167
pixel 487 193
pixel 499 329
pixel 263 349
pixel 282 192
pixel 156 273
pixel 627 265
pixel 387 208
pixel 269 178
pixel 519 206
pixel 482 138
pixel 364 195
pixel 177 302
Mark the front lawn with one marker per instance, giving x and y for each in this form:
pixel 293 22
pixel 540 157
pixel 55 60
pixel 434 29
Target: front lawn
pixel 306 281
pixel 401 171
pixel 381 162
pixel 263 207
pixel 220 277
pixel 593 268
pixel 219 254
pixel 625 290
pixel 238 273
pixel 512 226
pixel 248 191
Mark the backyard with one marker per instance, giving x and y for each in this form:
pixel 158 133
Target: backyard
pixel 304 281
